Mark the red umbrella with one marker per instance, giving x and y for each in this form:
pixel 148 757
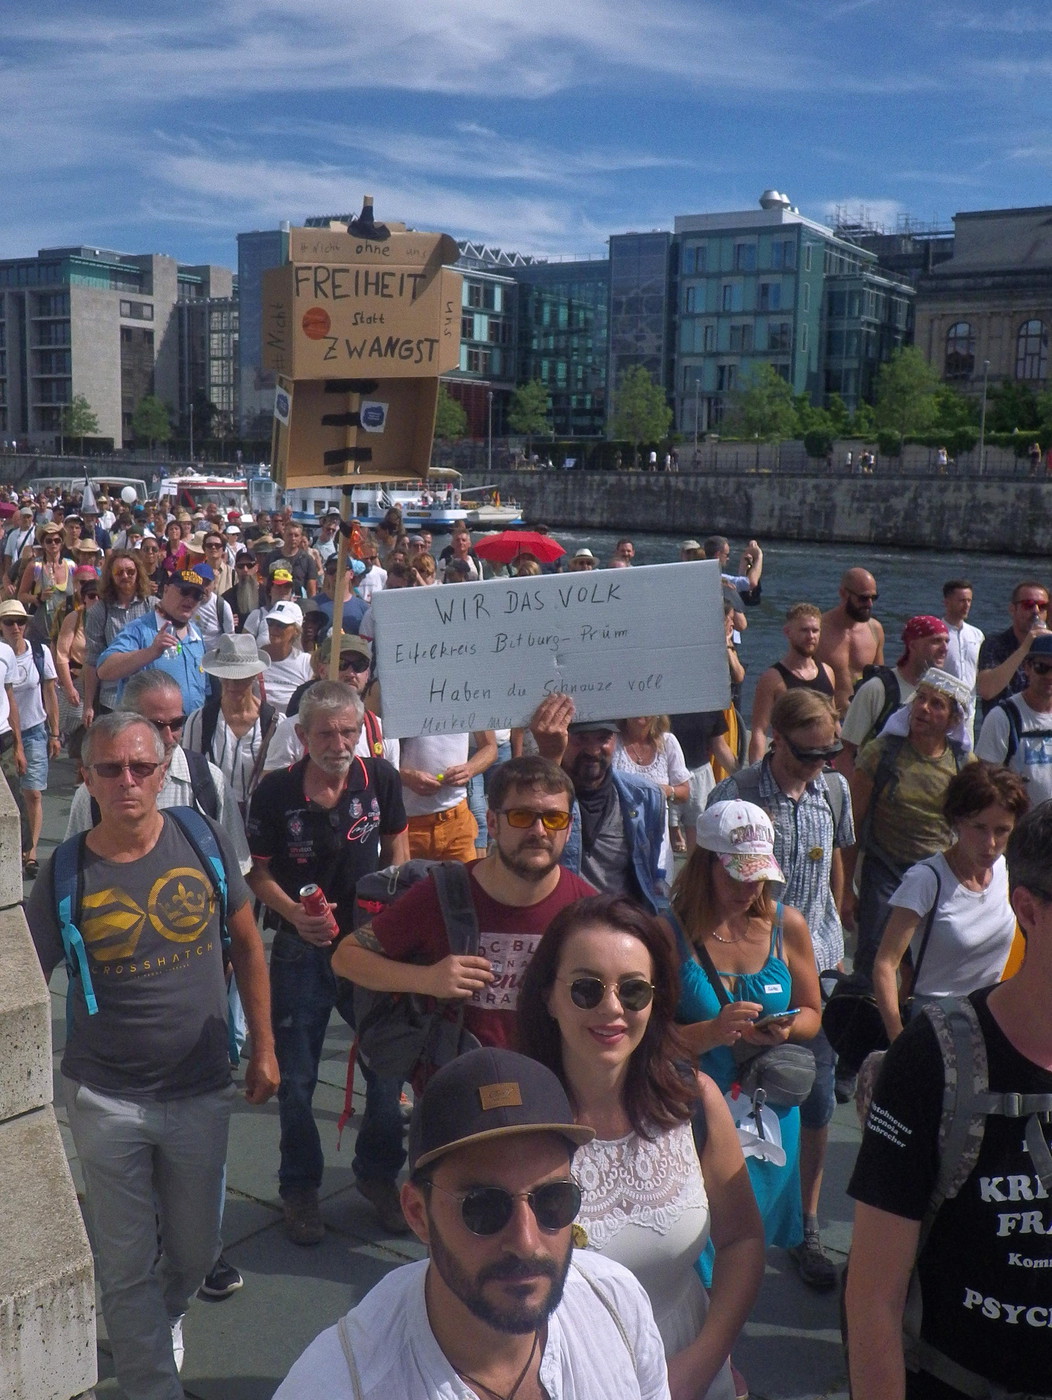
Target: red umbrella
pixel 502 548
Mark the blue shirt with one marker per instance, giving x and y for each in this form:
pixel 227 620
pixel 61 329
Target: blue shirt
pixel 182 663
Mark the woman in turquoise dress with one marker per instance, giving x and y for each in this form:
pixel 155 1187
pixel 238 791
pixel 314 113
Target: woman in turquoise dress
pixel 761 952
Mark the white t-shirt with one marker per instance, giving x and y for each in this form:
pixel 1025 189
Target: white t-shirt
pixel 971 933
pixel 433 753
pixel 866 706
pixel 281 678
pixel 25 678
pixel 373 582
pixel 602 1344
pixel 962 656
pixel 7 666
pixel 1033 756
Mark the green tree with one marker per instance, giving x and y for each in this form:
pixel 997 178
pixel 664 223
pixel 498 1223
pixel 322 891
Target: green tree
pixel 954 410
pixel 641 411
pixel 151 420
pixel 79 420
pixel 450 419
pixel 762 406
pixel 530 412
pixel 1012 407
pixel 906 393
pixel 862 423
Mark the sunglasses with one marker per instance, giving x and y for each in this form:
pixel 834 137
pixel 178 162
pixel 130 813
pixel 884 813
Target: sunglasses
pixel 1041 668
pixel 522 818
pixel 13 621
pixel 814 755
pixel 354 663
pixel 865 597
pixel 486 1210
pixel 139 771
pixel 189 591
pixel 634 993
pixel 1039 603
pixel 176 722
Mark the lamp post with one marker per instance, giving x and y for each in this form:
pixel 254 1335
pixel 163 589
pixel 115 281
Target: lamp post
pixel 982 421
pixel 489 432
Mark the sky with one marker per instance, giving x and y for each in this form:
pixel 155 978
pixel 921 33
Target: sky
pixel 540 126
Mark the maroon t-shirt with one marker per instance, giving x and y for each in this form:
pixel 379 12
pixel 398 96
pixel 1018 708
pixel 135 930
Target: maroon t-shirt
pixel 412 930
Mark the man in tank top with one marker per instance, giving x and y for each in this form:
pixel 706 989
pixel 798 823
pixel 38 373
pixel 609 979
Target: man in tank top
pixel 798 669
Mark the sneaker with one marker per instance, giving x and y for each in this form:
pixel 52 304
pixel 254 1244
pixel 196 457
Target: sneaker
pixel 383 1197
pixel 222 1280
pixel 178 1349
pixel 813 1264
pixel 303 1222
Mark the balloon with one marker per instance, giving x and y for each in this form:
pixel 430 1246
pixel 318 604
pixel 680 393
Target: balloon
pixel 128 495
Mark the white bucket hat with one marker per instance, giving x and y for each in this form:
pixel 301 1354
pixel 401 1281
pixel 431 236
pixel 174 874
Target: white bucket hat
pixel 235 658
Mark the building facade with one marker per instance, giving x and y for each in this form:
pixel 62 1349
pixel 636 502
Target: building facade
pixel 96 323
pixel 563 317
pixel 984 315
pixel 256 252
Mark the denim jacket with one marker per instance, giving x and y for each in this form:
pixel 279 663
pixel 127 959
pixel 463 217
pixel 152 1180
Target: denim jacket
pixel 643 814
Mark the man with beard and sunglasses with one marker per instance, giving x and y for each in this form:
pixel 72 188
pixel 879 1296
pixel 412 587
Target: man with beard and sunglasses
pixel 504 1306
pixel 325 821
pixel 619 822
pixel 810 809
pixel 1018 731
pixel 852 638
pixel 517 888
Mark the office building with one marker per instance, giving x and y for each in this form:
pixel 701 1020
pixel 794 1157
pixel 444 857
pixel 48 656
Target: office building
pixel 564 340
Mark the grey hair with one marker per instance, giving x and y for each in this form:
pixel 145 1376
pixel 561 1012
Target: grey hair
pixel 328 698
pixel 112 726
pixel 1029 852
pixel 143 683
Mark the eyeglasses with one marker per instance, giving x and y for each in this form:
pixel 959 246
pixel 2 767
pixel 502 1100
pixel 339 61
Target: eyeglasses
pixel 176 722
pixel 353 663
pixel 1040 603
pixel 486 1210
pixel 634 993
pixel 1040 668
pixel 245 564
pixel 522 818
pixel 864 597
pixel 139 771
pixel 814 755
pixel 189 591
pixel 217 544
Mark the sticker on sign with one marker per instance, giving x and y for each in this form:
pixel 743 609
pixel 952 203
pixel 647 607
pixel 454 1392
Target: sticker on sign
pixel 373 416
pixel 471 656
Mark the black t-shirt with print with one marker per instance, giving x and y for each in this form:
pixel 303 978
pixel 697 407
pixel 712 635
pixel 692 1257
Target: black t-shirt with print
pixel 307 844
pixel 986 1269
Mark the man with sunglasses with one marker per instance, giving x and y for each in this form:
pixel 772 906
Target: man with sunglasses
pixel 517 888
pixel 147 1077
pixel 852 638
pixel 926 640
pixel 1001 672
pixel 503 1306
pixel 165 638
pixel 1017 732
pixel 810 810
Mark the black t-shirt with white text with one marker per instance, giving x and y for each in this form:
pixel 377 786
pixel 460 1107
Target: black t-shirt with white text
pixel 986 1268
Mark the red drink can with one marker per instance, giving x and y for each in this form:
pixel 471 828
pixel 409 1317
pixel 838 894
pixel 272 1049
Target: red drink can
pixel 312 897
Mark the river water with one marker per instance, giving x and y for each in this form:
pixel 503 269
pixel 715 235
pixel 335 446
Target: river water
pixel 909 582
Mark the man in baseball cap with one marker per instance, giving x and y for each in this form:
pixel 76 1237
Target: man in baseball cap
pixel 502 1305
pixel 925 641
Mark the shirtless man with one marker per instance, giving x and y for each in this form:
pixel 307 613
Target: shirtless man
pixel 797 669
pixel 851 638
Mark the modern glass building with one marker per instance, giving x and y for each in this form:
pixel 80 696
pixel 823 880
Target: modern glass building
pixel 642 306
pixel 563 340
pixel 256 252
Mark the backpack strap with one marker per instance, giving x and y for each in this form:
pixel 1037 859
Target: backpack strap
pixel 608 1304
pixel 834 795
pixel 373 734
pixel 209 721
pixel 202 783
pixel 884 774
pixel 453 886
pixel 206 847
pixel 926 935
pixel 68 883
pixel 343 1328
pixel 36 646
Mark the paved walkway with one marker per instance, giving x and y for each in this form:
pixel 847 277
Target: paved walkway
pixel 240 1349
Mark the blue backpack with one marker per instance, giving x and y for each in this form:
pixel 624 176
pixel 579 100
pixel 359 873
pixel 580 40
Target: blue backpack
pixel 67 870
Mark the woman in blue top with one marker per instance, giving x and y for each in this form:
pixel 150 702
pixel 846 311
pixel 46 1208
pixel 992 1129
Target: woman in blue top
pixel 761 951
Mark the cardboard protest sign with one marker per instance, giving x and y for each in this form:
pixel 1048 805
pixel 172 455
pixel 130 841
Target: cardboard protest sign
pixel 621 642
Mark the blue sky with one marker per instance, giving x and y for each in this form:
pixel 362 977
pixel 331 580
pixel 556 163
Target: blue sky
pixel 539 125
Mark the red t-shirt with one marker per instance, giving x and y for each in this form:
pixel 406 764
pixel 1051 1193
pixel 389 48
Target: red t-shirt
pixel 412 930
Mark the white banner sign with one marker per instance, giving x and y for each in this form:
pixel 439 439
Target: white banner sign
pixel 621 642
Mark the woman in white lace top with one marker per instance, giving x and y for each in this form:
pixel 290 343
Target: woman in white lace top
pixel 597 1007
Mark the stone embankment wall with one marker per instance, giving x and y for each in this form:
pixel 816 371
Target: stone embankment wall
pixel 47 1287
pixel 987 516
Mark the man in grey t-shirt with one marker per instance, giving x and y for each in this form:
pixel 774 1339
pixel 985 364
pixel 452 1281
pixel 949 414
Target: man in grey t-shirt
pixel 146 1076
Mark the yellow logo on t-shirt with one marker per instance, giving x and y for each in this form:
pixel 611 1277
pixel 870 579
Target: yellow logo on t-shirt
pixel 179 906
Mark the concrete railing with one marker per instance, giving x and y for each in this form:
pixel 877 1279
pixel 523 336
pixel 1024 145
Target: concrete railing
pixel 47 1287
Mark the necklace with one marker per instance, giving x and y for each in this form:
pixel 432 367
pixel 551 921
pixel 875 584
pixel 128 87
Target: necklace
pixel 713 934
pixel 521 1377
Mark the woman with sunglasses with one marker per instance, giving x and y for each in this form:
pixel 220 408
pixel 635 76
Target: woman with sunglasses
pixel 124 595
pixel 748 983
pixel 647 749
pixel 46 586
pixel 951 927
pixel 597 1006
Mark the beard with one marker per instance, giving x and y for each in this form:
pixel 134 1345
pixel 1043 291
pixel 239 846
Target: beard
pixel 519 1317
pixel 246 596
pixel 517 863
pixel 589 770
pixel 859 612
pixel 334 764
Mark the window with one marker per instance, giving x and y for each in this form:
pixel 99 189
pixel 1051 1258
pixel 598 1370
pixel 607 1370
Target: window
pixel 688 259
pixel 690 299
pixel 783 253
pixel 745 257
pixel 710 337
pixel 803 338
pixel 732 297
pixel 726 376
pixel 807 256
pixel 779 335
pixel 770 298
pixel 741 337
pixel 806 300
pixel 1031 351
pixel 960 351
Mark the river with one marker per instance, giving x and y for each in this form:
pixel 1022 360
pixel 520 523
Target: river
pixel 909 582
